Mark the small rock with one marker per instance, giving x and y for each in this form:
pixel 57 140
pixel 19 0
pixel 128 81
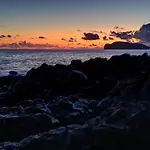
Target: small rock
pixel 26 103
pixel 13 73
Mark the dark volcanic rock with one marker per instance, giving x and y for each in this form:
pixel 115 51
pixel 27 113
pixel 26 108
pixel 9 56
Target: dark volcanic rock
pixel 77 76
pixel 76 137
pixel 8 146
pixel 76 65
pixel 13 73
pixel 99 89
pixel 72 110
pixel 17 127
pixel 54 139
pixel 98 104
pixel 26 103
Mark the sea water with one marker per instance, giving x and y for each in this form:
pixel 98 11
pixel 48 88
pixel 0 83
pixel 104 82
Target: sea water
pixel 24 60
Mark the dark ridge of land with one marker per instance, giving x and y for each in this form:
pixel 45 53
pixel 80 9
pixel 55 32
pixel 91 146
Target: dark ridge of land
pixel 125 45
pixel 97 104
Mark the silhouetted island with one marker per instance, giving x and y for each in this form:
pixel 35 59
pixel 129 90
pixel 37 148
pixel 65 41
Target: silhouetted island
pixel 125 45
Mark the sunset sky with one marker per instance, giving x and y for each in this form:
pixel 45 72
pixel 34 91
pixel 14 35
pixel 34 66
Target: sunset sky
pixel 72 24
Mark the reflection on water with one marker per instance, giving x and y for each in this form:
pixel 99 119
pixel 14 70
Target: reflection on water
pixel 22 61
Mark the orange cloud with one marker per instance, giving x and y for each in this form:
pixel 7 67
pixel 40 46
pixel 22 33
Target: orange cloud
pixel 28 45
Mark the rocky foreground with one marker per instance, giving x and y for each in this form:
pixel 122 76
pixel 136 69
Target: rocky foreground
pixel 99 104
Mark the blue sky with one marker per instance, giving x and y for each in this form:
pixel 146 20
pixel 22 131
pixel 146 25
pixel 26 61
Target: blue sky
pixel 55 16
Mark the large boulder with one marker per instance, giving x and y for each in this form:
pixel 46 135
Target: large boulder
pixel 77 76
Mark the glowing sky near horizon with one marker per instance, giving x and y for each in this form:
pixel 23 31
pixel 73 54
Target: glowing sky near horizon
pixel 28 20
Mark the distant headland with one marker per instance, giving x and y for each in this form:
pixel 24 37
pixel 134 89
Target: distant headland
pixel 125 45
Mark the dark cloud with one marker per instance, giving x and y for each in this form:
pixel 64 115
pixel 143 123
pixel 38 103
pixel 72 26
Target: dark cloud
pixel 11 45
pixel 78 43
pixel 72 40
pixel 93 45
pixel 63 39
pixel 105 38
pixel 95 31
pixel 98 32
pixel 118 28
pixel 16 36
pixel 110 38
pixel 5 36
pixel 71 44
pixel 126 35
pixel 42 37
pixel 24 44
pixel 90 36
pixel 79 30
pixel 31 45
pixel 9 36
pixel 2 36
pixel 143 34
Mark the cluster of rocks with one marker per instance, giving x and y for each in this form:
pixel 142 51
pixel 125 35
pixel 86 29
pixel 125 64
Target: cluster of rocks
pixel 97 104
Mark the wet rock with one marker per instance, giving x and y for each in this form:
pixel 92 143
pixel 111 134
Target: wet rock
pixel 74 104
pixel 140 117
pixel 99 89
pixel 110 137
pixel 33 109
pixel 23 126
pixel 77 76
pixel 26 103
pixel 32 85
pixel 79 137
pixel 80 106
pixel 5 110
pixel 38 101
pixel 11 110
pixel 64 103
pixel 37 109
pixel 72 109
pixel 17 110
pixel 62 138
pixel 9 81
pixel 102 105
pixel 118 115
pixel 8 146
pixel 54 139
pixel 144 91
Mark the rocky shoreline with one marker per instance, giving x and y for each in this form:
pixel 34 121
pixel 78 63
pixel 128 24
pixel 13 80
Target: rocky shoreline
pixel 96 104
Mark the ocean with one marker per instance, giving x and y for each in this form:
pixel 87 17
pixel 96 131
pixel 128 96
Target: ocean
pixel 24 60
